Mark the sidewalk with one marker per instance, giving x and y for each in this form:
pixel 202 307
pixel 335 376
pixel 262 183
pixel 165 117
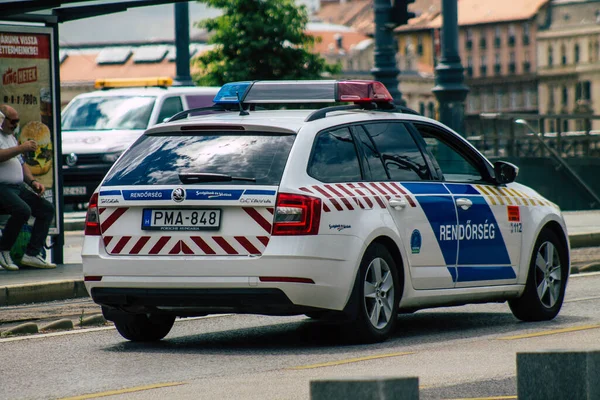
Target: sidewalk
pixel 66 281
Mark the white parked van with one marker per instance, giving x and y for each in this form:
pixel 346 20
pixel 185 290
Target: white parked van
pixel 98 126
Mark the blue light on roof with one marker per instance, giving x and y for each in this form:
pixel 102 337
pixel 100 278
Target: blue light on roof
pixel 229 93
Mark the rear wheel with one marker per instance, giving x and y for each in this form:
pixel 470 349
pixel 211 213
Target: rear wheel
pixel 144 327
pixel 379 293
pixel 546 282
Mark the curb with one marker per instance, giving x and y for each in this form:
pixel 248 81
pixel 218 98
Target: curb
pixel 42 292
pixel 584 240
pixel 74 224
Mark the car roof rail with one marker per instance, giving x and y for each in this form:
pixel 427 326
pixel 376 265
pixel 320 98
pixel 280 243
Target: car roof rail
pixel 185 113
pixel 379 106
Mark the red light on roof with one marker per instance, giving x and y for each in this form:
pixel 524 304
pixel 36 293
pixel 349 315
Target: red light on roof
pixel 363 91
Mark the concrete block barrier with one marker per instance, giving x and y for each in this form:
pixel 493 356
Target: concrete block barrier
pixel 404 388
pixel 549 375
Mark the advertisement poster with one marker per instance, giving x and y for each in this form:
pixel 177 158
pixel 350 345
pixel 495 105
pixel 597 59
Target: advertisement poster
pixel 26 70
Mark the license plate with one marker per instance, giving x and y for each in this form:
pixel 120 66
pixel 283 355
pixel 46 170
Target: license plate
pixel 181 219
pixel 74 191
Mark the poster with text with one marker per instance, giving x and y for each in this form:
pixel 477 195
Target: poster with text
pixel 27 86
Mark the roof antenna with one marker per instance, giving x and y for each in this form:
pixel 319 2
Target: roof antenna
pixel 242 111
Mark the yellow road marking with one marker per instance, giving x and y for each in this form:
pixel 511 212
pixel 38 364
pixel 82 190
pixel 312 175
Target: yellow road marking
pixel 350 360
pixel 122 391
pixel 551 332
pixel 488 398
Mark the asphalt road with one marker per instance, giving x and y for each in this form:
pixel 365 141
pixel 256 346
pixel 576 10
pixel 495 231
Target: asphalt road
pixel 460 352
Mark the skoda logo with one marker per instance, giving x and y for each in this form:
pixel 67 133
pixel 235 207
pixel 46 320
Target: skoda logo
pixel 71 159
pixel 178 195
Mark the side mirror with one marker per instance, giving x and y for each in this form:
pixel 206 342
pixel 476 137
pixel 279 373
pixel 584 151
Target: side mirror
pixel 505 172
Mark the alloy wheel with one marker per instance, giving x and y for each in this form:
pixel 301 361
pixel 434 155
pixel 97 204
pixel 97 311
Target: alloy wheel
pixel 379 293
pixel 548 274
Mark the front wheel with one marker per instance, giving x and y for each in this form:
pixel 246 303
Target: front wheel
pixel 546 281
pixel 144 327
pixel 379 295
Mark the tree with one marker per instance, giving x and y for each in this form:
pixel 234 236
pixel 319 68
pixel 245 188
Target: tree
pixel 258 39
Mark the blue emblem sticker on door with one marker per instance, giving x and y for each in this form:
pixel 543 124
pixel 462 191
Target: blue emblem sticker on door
pixel 415 241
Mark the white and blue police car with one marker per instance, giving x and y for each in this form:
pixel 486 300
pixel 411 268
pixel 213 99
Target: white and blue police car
pixel 354 212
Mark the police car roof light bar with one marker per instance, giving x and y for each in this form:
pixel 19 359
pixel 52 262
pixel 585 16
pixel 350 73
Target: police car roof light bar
pixel 307 91
pixel 362 91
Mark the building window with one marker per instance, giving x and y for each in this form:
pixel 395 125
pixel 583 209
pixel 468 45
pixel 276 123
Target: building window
pixel 551 99
pixel 576 54
pixel 550 56
pixel 498 64
pixel 498 37
pixel 499 96
pixel 512 63
pixel 563 55
pixel 529 98
pixel 422 108
pixel 420 45
pixel 526 63
pixel 431 110
pixel 565 96
pixel 469 39
pixel 472 100
pixel 469 70
pixel 511 35
pixel 526 33
pixel 583 91
pixel 513 99
pixel 482 39
pixel 483 65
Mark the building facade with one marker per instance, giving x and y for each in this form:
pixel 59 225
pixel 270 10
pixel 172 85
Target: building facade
pixel 568 49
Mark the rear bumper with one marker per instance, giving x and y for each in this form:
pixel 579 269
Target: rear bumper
pixel 194 302
pixel 216 284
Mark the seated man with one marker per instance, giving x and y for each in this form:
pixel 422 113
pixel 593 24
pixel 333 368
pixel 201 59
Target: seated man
pixel 17 200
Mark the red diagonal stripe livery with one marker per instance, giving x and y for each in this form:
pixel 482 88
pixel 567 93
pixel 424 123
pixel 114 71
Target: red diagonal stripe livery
pixel 330 198
pixel 341 196
pixel 266 225
pixel 203 245
pixel 120 244
pixel 139 245
pixel 159 245
pixel 225 245
pixel 408 198
pixel 247 245
pixel 112 218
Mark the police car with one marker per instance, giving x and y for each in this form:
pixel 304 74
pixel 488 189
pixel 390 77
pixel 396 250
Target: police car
pixel 98 126
pixel 354 212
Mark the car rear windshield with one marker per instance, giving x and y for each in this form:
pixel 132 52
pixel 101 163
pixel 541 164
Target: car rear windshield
pixel 252 158
pixel 106 113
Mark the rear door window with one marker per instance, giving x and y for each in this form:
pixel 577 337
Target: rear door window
pixel 253 158
pixel 334 157
pixel 170 107
pixel 399 152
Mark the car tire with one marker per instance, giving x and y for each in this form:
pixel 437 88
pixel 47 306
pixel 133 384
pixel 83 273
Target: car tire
pixel 546 280
pixel 144 327
pixel 379 293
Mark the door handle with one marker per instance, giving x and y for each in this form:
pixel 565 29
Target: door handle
pixel 465 204
pixel 398 204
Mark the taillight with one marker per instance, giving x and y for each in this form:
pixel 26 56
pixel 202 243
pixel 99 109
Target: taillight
pixel 297 214
pixel 92 219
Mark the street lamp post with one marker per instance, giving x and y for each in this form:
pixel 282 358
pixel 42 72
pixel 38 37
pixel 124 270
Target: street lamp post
pixel 182 44
pixel 385 69
pixel 449 87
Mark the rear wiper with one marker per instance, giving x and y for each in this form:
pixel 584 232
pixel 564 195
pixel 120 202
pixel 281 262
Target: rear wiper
pixel 206 177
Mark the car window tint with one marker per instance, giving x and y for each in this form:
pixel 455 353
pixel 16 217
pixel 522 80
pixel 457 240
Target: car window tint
pixel 334 157
pixel 453 165
pixel 170 107
pixel 400 154
pixel 159 159
pixel 373 165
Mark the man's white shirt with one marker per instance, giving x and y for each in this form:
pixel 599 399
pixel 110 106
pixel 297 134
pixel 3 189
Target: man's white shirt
pixel 11 170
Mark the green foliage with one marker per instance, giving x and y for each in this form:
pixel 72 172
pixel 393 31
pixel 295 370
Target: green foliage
pixel 258 39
